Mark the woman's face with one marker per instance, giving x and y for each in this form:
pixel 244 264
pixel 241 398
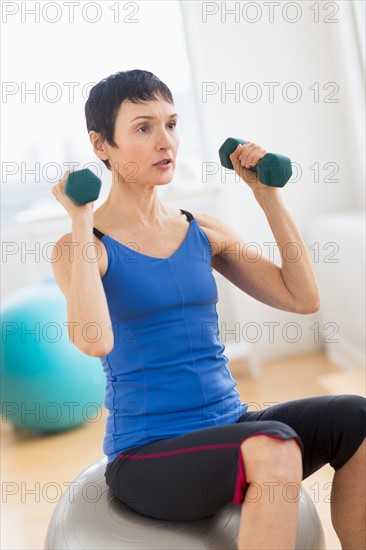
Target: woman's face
pixel 145 133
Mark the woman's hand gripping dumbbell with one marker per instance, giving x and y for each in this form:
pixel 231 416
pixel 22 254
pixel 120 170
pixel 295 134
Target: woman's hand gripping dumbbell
pixel 77 191
pixel 254 165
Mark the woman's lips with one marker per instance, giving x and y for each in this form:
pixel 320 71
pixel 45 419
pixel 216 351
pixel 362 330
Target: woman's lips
pixel 162 166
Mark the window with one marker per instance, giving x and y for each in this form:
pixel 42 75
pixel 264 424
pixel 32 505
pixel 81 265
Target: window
pixel 359 19
pixel 46 81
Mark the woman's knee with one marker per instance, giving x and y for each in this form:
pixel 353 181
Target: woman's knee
pixel 347 412
pixel 266 458
pixel 355 406
pixel 348 422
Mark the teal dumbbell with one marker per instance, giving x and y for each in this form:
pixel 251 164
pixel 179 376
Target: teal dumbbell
pixel 273 169
pixel 82 186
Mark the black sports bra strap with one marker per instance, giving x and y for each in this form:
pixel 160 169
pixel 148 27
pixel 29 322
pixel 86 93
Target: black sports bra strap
pixel 188 214
pixel 98 233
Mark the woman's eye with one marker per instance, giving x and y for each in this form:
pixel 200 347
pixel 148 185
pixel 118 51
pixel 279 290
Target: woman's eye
pixel 170 124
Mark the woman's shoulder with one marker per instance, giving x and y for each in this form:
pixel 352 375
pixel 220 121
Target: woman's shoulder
pixel 213 228
pixel 206 221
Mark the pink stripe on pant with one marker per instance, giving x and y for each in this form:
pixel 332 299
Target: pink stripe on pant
pixel 240 485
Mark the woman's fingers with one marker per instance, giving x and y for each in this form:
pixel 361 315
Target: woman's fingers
pixel 60 186
pixel 251 155
pixel 246 157
pixel 248 154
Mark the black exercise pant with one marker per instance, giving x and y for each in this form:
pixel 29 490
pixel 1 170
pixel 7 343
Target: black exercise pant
pixel 193 475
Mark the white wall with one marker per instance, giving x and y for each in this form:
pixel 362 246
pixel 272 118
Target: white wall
pixel 309 132
pixel 342 280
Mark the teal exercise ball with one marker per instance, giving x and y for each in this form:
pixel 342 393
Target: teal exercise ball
pixel 47 383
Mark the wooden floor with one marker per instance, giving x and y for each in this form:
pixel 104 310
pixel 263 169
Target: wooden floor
pixel 35 470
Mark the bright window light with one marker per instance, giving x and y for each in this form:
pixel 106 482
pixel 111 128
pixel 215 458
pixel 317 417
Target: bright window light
pixel 46 84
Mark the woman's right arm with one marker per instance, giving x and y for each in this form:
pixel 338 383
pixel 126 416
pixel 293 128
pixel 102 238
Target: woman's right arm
pixel 76 270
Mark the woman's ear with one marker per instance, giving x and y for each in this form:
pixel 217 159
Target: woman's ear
pixel 98 144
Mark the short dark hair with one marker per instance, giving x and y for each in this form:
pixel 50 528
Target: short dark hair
pixel 106 97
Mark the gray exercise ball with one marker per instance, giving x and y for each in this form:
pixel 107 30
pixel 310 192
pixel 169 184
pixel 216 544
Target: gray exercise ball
pixel 88 516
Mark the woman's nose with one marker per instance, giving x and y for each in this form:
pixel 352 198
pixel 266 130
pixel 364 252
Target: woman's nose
pixel 164 139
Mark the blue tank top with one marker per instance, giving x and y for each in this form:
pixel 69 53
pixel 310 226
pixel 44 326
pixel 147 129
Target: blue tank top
pixel 167 374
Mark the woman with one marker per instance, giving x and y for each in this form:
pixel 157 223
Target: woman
pixel 179 441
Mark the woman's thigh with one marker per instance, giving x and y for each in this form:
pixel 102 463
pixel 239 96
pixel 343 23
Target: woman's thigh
pixel 190 476
pixel 193 475
pixel 331 428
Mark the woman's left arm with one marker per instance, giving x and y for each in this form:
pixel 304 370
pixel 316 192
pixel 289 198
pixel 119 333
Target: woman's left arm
pixel 291 286
pixel 296 269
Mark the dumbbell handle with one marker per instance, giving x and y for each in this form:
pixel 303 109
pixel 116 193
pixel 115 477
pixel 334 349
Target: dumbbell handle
pixel 273 169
